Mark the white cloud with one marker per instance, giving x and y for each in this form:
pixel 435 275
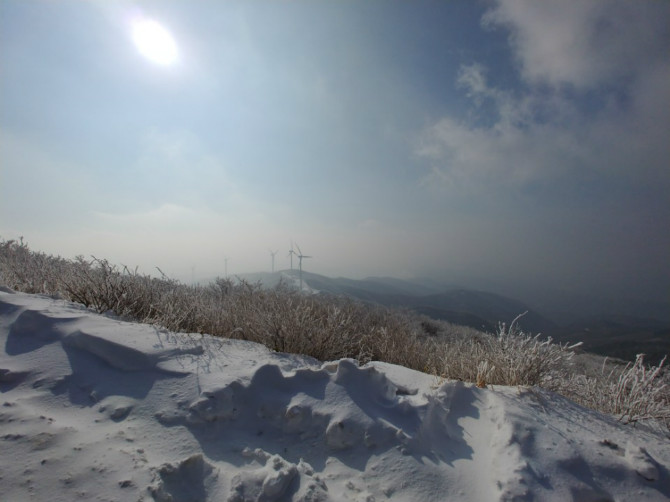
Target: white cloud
pixel 582 43
pixel 542 131
pixel 518 144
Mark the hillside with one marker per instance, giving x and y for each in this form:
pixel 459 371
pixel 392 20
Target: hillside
pixel 610 334
pixel 477 309
pixel 98 408
pixel 620 336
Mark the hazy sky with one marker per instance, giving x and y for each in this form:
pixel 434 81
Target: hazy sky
pixel 519 141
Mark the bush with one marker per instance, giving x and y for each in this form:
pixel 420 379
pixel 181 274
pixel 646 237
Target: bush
pixel 511 357
pixel 635 393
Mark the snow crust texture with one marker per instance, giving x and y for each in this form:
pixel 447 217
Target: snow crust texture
pixel 95 408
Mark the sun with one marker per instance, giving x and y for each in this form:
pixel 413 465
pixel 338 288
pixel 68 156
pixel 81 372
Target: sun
pixel 154 42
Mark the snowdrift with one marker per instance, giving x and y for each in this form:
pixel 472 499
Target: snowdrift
pixel 95 408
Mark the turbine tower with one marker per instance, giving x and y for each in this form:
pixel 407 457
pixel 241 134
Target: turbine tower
pixel 273 253
pixel 291 253
pixel 300 257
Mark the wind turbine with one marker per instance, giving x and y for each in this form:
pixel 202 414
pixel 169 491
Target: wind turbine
pixel 273 253
pixel 300 257
pixel 291 253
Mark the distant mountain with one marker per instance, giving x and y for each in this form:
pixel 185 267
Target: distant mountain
pixel 565 307
pixel 417 287
pixel 619 336
pixel 364 289
pixel 490 308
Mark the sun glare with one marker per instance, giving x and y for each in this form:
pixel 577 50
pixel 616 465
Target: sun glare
pixel 154 42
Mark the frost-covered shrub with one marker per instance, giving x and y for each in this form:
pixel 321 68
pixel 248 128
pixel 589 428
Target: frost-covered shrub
pixel 634 393
pixel 330 328
pixel 29 271
pixel 510 357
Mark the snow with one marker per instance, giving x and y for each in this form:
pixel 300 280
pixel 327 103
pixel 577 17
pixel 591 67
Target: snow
pixel 95 408
pixel 293 278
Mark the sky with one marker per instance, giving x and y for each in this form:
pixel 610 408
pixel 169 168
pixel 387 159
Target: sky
pixel 515 141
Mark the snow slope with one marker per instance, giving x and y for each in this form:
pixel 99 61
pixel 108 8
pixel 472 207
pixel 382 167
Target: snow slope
pixel 94 408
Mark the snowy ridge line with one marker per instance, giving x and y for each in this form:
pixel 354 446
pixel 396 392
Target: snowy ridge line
pixel 102 408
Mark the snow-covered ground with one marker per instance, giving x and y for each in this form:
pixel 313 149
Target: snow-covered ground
pixel 94 408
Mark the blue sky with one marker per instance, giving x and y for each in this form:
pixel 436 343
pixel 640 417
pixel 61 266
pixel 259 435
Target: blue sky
pixel 515 141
